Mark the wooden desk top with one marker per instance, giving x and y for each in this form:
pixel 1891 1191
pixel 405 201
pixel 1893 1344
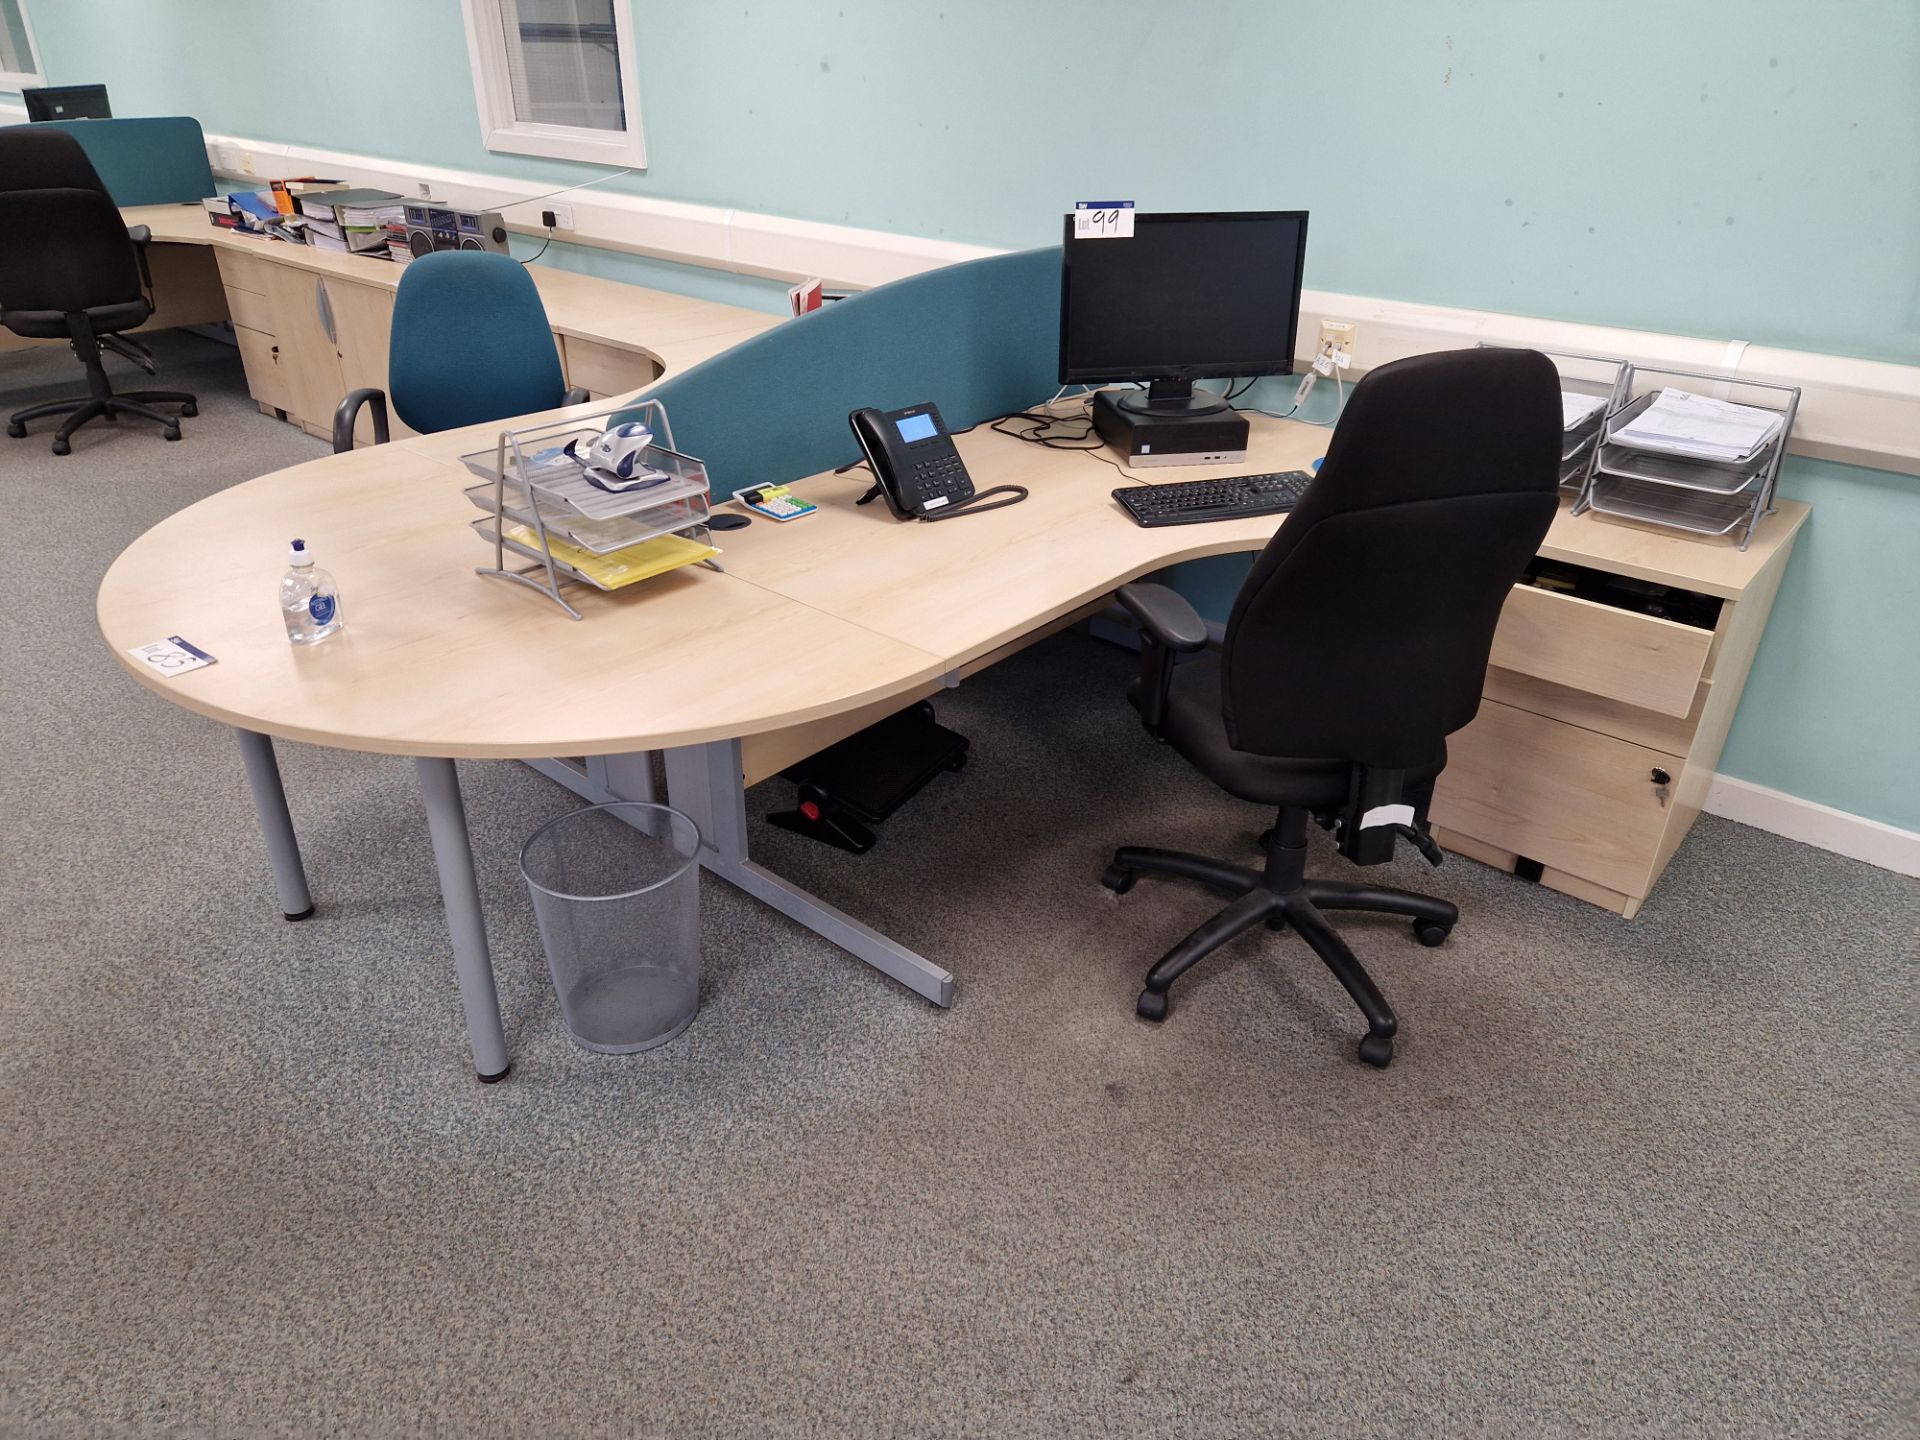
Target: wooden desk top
pixel 813 618
pixel 676 331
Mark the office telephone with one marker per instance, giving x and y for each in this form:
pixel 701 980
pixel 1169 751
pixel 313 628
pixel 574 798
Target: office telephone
pixel 916 467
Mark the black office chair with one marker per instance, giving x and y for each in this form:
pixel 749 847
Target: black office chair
pixel 71 269
pixel 1357 645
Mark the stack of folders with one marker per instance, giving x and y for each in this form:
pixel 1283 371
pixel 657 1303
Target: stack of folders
pixel 1697 427
pixel 350 220
pixel 398 250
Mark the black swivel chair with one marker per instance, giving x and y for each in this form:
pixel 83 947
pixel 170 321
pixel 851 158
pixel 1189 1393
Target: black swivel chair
pixel 1357 645
pixel 71 269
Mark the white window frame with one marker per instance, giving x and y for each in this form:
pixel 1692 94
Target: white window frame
pixel 504 131
pixel 24 79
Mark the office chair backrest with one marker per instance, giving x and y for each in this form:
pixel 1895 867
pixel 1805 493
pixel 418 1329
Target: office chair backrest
pixel 1362 632
pixel 63 243
pixel 470 343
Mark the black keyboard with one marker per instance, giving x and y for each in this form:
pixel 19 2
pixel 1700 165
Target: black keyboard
pixel 1234 498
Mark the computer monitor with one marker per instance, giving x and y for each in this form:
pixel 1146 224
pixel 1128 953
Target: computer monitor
pixel 1192 297
pixel 67 102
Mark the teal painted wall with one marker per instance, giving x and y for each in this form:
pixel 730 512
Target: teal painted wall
pixel 1737 168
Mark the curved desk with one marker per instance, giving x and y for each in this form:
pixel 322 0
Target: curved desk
pixel 819 627
pixel 440 664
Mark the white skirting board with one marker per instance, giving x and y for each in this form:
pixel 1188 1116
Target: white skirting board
pixel 1820 826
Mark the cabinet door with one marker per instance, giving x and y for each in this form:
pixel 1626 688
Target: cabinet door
pixel 1574 800
pixel 363 326
pixel 304 330
pixel 260 354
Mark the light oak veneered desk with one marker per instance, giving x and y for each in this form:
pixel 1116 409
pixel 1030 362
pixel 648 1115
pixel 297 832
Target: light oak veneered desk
pixel 1583 704
pixel 312 325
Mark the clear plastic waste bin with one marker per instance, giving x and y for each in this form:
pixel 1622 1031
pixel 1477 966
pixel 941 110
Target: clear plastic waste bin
pixel 616 892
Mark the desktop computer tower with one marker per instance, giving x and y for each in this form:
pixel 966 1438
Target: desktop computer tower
pixel 1216 438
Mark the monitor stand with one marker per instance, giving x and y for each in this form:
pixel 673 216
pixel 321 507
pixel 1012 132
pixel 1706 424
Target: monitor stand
pixel 1172 400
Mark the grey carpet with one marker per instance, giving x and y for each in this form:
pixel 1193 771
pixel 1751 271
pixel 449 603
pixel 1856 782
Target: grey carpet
pixel 1623 1179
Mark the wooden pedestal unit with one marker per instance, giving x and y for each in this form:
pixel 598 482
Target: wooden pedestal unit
pixel 1601 727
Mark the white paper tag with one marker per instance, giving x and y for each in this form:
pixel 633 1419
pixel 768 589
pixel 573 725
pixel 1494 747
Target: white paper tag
pixel 1103 220
pixel 1323 363
pixel 171 656
pixel 935 503
pixel 1342 359
pixel 1387 815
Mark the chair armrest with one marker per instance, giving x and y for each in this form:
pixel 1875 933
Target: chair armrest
pixel 349 412
pixel 141 236
pixel 1165 616
pixel 576 395
pixel 1169 626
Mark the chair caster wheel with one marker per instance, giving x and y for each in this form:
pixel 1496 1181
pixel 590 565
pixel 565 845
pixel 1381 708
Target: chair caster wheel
pixel 16 430
pixel 1431 932
pixel 1117 880
pixel 61 447
pixel 1377 1051
pixel 172 432
pixel 189 410
pixel 1152 1005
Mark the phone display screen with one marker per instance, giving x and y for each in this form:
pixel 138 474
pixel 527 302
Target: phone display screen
pixel 915 427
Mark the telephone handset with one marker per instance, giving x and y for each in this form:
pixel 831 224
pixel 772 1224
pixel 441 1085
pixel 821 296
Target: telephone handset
pixel 915 465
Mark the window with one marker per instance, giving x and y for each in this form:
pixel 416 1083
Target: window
pixel 556 78
pixel 19 62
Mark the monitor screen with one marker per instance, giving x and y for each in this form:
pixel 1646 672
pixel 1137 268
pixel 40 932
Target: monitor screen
pixel 1201 296
pixel 67 102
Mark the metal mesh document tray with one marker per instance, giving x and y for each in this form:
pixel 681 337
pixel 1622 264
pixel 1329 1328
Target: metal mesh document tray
pixel 540 505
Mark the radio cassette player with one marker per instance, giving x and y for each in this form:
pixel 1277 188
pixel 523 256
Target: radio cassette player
pixel 445 227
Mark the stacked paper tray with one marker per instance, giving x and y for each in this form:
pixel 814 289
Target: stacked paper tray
pixel 668 509
pixel 664 552
pixel 1576 451
pixel 1703 512
pixel 1720 478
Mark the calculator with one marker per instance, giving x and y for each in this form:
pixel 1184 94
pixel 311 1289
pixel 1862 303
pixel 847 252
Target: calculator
pixel 777 501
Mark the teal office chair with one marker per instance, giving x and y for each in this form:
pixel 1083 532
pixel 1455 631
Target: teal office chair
pixel 470 343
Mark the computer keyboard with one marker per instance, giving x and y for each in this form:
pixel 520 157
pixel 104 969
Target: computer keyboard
pixel 1190 501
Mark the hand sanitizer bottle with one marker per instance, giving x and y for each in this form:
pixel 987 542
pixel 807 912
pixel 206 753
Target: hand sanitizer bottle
pixel 309 600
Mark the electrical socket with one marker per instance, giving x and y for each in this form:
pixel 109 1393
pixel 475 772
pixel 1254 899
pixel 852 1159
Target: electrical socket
pixel 562 217
pixel 1338 339
pixel 246 163
pixel 425 188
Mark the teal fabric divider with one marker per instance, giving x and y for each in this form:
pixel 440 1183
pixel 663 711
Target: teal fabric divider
pixel 977 339
pixel 152 160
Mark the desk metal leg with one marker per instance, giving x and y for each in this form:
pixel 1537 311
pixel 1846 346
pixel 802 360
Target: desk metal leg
pixel 270 800
pixel 704 781
pixel 460 891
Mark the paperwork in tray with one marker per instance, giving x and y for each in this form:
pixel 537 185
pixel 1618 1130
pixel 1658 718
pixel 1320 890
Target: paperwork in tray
pixel 1576 410
pixel 1680 423
pixel 623 567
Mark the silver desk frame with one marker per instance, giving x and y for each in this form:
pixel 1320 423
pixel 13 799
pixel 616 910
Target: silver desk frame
pixel 704 781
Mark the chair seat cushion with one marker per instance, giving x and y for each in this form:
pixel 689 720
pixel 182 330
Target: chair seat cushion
pixel 1197 728
pixel 52 324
